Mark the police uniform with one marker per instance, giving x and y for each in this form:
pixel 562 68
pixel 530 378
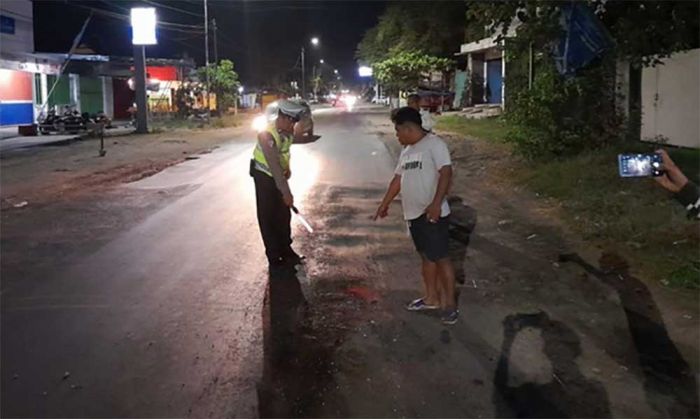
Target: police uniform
pixel 274 215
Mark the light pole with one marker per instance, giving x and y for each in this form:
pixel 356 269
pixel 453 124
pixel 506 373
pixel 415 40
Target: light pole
pixel 314 42
pixel 143 24
pixel 206 51
pixel 314 76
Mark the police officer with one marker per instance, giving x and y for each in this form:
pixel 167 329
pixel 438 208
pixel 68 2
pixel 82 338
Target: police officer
pixel 270 170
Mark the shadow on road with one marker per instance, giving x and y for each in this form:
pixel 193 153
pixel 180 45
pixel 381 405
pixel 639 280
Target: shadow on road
pixel 568 394
pixel 462 223
pixel 297 369
pixel 669 383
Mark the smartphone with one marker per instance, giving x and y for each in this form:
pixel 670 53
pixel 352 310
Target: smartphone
pixel 640 165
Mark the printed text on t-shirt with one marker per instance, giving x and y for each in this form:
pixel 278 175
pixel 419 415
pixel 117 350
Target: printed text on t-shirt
pixel 413 161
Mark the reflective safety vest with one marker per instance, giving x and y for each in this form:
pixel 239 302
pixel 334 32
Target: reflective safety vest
pixel 283 143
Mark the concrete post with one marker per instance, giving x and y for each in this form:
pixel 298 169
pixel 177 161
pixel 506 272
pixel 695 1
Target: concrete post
pixel 140 87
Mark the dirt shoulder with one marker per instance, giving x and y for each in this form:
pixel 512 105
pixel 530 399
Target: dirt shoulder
pixel 40 175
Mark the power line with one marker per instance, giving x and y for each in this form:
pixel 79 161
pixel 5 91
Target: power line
pixel 127 18
pixel 173 8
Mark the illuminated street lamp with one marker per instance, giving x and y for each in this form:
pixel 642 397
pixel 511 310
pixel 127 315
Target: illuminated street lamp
pixel 314 41
pixel 321 61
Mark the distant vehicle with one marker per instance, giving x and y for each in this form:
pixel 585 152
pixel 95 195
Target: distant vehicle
pixel 346 99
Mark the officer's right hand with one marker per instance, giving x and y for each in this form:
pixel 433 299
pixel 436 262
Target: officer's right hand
pixel 288 199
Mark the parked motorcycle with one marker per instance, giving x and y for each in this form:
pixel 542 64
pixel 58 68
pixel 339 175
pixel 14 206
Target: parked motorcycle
pixel 48 122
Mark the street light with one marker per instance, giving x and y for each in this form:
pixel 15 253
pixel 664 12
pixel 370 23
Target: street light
pixel 240 89
pixel 321 61
pixel 335 71
pixel 314 41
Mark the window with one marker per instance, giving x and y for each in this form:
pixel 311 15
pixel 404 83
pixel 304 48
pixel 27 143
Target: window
pixel 7 25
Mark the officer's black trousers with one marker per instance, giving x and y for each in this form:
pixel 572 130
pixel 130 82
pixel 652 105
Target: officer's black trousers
pixel 273 217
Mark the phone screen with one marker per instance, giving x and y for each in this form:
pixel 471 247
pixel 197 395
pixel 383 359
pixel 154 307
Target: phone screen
pixel 639 165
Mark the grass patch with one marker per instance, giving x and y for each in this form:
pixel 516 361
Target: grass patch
pixel 492 129
pixel 636 214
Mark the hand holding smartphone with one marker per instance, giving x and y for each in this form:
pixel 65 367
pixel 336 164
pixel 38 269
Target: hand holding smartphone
pixel 640 165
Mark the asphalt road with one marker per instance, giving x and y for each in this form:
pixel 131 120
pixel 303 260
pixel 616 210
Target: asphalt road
pixel 152 299
pixel 161 315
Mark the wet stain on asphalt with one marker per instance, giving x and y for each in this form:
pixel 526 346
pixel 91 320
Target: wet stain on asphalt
pixel 364 294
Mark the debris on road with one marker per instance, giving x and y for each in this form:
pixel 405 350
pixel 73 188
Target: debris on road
pixel 21 204
pixel 66 375
pixel 531 236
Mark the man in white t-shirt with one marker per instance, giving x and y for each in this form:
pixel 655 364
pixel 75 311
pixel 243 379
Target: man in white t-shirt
pixel 423 177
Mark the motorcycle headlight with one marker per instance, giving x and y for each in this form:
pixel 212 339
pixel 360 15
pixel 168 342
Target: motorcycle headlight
pixel 260 123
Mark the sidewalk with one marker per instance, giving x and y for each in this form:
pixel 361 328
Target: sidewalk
pixel 37 174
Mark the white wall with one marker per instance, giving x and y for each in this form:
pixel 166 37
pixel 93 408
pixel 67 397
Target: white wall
pixel 671 100
pixel 22 13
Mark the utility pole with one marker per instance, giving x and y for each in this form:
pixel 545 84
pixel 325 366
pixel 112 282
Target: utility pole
pixel 313 80
pixel 303 76
pixel 216 48
pixel 206 51
pixel 140 87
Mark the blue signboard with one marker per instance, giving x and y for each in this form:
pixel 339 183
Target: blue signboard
pixel 585 38
pixel 7 24
pixel 16 113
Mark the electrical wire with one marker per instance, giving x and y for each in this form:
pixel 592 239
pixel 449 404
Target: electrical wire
pixel 163 24
pixel 173 8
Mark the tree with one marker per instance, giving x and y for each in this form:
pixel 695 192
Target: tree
pixel 404 70
pixel 558 115
pixel 644 31
pixel 223 81
pixel 433 28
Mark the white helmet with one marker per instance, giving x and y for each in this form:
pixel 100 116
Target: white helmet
pixel 288 107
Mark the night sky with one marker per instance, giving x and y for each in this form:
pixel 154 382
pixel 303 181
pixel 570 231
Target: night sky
pixel 262 38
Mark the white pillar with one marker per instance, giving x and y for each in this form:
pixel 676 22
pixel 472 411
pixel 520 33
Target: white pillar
pixel 43 79
pixel 486 79
pixel 468 82
pixel 107 97
pixel 503 80
pixel 74 83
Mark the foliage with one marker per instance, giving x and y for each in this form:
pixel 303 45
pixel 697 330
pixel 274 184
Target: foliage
pixel 223 81
pixel 560 116
pixel 433 28
pixel 635 216
pixel 644 31
pixel 404 70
